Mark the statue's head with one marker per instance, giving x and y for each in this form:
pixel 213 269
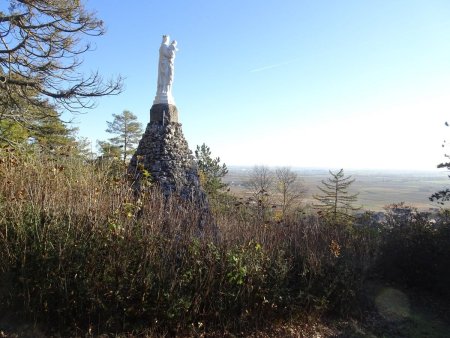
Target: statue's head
pixel 165 38
pixel 174 43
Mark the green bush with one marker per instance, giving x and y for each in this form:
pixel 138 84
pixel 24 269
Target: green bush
pixel 415 250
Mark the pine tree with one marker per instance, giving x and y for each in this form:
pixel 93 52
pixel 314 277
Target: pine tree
pixel 12 132
pixel 36 125
pixel 335 202
pixel 40 54
pixel 210 170
pixel 128 131
pixel 52 133
pixel 109 150
pixel 443 195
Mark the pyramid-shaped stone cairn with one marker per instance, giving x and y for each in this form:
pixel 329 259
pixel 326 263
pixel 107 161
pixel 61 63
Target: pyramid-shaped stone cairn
pixel 163 151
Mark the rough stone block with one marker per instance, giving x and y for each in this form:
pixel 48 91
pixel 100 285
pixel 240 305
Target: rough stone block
pixel 164 113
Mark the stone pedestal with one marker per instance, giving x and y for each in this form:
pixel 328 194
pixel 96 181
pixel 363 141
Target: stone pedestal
pixel 165 113
pixel 165 154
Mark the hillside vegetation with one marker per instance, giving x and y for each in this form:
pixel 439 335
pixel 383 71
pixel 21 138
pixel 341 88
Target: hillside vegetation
pixel 81 253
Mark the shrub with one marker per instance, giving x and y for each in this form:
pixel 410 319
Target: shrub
pixel 415 249
pixel 81 250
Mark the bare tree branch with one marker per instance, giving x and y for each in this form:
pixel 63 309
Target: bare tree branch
pixel 40 42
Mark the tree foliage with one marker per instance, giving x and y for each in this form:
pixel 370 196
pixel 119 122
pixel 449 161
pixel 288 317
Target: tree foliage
pixel 36 125
pixel 128 131
pixel 84 148
pixel 41 43
pixel 335 202
pixel 52 133
pixel 442 196
pixel 210 170
pixel 19 119
pixel 109 150
pixel 12 132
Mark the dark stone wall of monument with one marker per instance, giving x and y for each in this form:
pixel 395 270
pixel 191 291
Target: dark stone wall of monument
pixel 164 153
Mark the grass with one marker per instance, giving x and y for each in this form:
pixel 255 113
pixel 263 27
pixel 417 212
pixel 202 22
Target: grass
pixel 82 253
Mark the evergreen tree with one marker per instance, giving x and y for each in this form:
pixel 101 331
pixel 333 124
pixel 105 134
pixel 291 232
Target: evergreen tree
pixel 12 132
pixel 36 125
pixel 110 158
pixel 52 133
pixel 109 150
pixel 443 195
pixel 210 170
pixel 40 47
pixel 335 202
pixel 128 131
pixel 84 148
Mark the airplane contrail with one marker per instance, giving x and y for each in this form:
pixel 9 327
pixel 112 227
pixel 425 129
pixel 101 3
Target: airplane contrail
pixel 276 65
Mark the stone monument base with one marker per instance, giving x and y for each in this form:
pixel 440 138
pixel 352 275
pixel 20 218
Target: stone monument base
pixel 164 153
pixel 164 113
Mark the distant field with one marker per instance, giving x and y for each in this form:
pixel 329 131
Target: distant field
pixel 376 188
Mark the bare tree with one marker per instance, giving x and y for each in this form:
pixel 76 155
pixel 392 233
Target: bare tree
pixel 40 56
pixel 288 185
pixel 260 183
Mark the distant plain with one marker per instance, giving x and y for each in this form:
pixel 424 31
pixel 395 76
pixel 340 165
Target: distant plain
pixel 376 188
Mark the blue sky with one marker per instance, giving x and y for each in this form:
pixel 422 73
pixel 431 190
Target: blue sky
pixel 352 84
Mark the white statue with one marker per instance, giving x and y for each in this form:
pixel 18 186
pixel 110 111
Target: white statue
pixel 171 53
pixel 166 71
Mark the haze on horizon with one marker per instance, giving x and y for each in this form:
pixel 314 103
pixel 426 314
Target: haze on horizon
pixel 294 83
